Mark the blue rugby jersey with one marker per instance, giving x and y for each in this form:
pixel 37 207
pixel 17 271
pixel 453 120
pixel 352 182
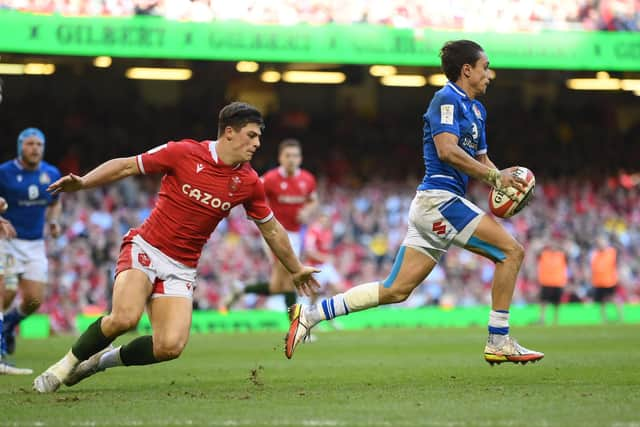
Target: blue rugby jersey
pixel 26 192
pixel 451 110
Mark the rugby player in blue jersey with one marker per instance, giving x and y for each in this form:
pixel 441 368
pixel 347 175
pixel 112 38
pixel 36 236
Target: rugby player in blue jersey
pixel 23 184
pixel 454 148
pixel 6 231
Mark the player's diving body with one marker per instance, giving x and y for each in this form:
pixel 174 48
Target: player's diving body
pixel 202 182
pixel 454 149
pixel 23 183
pixel 291 193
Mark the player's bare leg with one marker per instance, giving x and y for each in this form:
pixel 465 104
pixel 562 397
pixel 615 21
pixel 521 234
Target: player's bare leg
pixel 170 321
pixel 32 292
pixel 491 240
pixel 410 268
pixel 130 293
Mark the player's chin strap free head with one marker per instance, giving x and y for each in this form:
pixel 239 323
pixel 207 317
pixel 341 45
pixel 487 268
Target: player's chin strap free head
pixel 29 132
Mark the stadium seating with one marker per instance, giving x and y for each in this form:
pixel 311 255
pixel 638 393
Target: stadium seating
pixel 485 15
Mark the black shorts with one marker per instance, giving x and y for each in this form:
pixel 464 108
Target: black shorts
pixel 551 294
pixel 604 294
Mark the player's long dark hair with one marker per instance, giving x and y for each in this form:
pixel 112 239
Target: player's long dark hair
pixel 454 54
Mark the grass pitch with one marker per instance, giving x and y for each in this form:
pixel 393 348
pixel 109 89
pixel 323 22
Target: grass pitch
pixel 394 377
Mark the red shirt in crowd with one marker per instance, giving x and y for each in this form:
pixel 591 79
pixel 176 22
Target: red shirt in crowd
pixel 288 194
pixel 317 239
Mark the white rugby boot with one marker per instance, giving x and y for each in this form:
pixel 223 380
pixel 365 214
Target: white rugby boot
pixel 8 369
pixel 299 328
pixel 507 349
pixel 47 382
pixel 86 368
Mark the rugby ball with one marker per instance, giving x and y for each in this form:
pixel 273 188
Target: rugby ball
pixel 503 206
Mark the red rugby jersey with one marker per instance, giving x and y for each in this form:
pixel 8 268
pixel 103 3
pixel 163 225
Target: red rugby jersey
pixel 288 194
pixel 197 191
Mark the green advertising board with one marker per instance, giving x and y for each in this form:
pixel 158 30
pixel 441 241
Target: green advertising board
pixel 153 37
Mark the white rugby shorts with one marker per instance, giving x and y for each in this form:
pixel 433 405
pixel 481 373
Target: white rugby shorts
pixel 169 277
pixel 439 218
pixel 26 258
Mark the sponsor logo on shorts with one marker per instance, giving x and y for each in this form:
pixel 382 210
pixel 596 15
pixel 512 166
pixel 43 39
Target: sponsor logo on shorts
pixel 439 228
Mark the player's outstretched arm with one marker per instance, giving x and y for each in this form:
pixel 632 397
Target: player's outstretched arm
pixel 277 239
pixel 110 171
pixel 449 152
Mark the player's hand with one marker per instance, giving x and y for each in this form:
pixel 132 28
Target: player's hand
pixel 54 229
pixel 3 205
pixel 67 184
pixel 6 229
pixel 507 182
pixel 508 178
pixel 304 281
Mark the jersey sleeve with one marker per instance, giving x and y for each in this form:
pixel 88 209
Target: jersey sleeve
pixel 442 115
pixel 256 207
pixel 161 158
pixel 482 144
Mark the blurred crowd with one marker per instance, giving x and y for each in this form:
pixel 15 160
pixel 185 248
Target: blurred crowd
pixel 468 15
pixel 368 224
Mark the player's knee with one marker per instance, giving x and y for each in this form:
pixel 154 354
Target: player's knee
pixel 120 323
pixel 399 293
pixel 168 348
pixel 31 304
pixel 515 252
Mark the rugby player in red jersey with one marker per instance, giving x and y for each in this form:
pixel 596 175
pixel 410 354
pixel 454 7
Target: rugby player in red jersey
pixel 202 182
pixel 291 193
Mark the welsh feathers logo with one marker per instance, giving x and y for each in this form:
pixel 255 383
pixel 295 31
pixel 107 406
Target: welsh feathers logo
pixel 234 184
pixel 143 259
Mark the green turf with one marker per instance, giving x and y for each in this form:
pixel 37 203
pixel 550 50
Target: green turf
pixel 391 377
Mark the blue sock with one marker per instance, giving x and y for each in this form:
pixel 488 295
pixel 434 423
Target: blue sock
pixel 332 307
pixel 499 322
pixel 11 319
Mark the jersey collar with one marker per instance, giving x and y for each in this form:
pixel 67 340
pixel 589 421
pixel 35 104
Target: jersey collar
pixel 214 155
pixel 283 173
pixel 22 168
pixel 456 89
